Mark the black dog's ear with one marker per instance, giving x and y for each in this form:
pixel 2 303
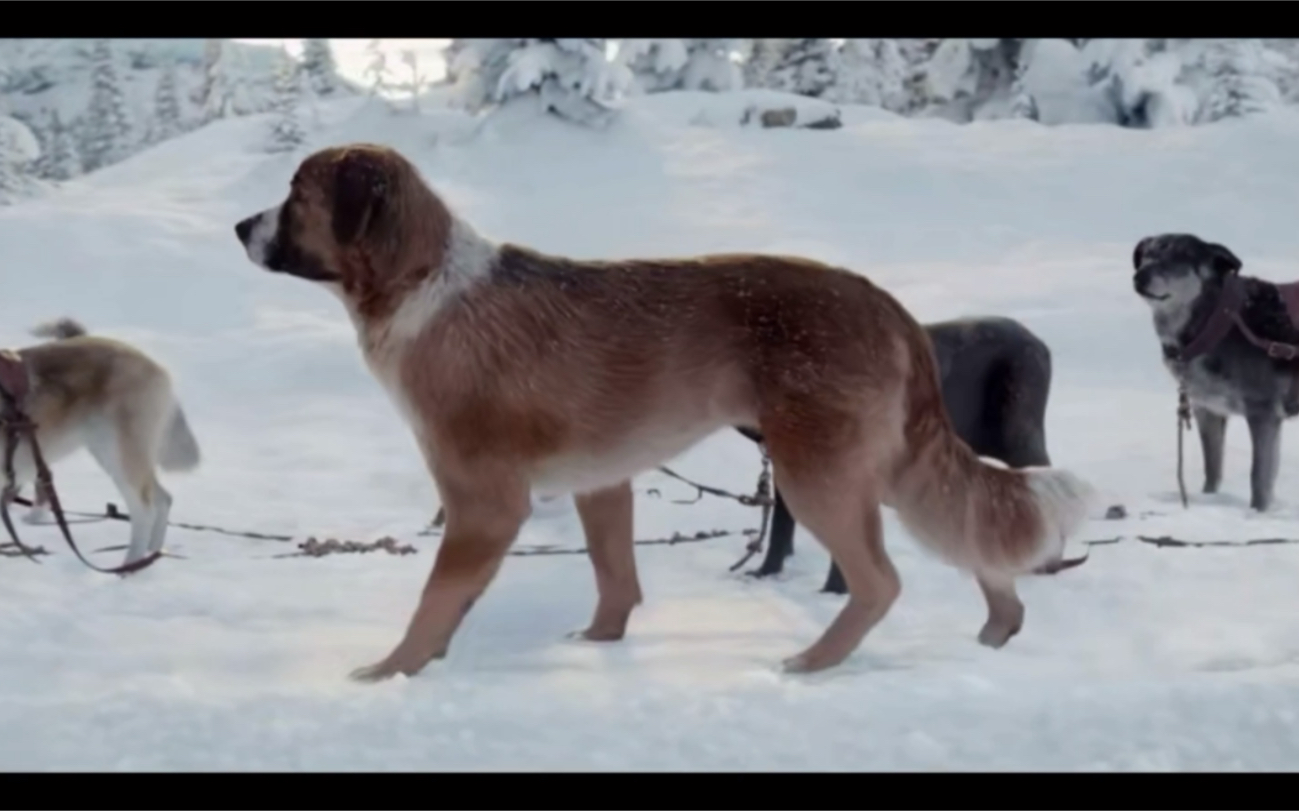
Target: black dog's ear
pixel 360 193
pixel 1222 260
pixel 1138 253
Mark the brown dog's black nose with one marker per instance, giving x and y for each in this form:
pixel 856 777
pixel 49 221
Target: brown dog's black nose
pixel 243 228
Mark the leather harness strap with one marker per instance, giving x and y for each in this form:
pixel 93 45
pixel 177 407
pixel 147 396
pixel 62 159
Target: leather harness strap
pixel 15 424
pixel 1226 314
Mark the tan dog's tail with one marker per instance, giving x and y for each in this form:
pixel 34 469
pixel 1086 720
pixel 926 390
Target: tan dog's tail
pixel 978 515
pixel 59 329
pixel 179 450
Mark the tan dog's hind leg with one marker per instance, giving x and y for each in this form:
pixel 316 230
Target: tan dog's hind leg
pixel 847 521
pixel 607 521
pixel 484 514
pixel 40 510
pixel 1005 611
pixel 116 444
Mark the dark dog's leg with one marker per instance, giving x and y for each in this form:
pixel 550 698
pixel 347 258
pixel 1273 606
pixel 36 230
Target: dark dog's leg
pixel 780 544
pixel 1265 432
pixel 1015 409
pixel 834 582
pixel 1213 431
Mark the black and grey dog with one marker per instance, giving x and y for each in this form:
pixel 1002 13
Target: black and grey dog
pixel 996 376
pixel 1229 341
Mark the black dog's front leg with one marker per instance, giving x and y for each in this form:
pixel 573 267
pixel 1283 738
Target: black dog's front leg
pixel 1265 434
pixel 780 544
pixel 1213 430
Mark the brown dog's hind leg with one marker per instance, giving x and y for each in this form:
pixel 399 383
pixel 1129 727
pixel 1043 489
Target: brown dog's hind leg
pixel 1005 610
pixel 846 520
pixel 484 514
pixel 607 522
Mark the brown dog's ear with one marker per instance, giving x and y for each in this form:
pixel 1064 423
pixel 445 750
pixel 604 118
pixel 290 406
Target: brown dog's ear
pixel 360 194
pixel 1138 253
pixel 1222 260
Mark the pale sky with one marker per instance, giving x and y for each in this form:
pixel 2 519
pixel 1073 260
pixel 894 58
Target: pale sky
pixel 351 56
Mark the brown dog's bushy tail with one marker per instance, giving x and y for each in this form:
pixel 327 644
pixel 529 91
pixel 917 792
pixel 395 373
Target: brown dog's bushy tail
pixel 59 329
pixel 179 450
pixel 975 514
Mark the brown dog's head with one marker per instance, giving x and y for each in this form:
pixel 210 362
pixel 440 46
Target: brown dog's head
pixel 358 217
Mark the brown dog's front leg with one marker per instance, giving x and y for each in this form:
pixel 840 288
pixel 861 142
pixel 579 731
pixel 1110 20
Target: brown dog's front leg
pixel 483 518
pixel 607 522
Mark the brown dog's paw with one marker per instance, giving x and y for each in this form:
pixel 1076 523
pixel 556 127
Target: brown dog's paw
pixel 996 636
pixel 594 634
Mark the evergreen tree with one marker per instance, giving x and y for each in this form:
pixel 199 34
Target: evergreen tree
pixel 415 84
pixel 166 105
pixel 654 64
pixel 451 59
pixel 59 159
pixel 804 66
pixel 19 149
pixel 1022 103
pixel 321 70
pixel 873 72
pixel 106 132
pixel 1237 80
pixel 764 56
pixel 65 162
pixel 709 66
pixel 286 128
pixel 215 97
pixel 572 78
pixel 376 71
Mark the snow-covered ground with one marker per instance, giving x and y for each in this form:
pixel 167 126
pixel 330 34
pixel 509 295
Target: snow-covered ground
pixel 1144 658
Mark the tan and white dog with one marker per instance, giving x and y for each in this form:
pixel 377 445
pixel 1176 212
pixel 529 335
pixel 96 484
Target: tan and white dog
pixel 519 370
pixel 91 392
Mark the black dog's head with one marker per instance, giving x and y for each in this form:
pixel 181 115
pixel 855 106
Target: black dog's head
pixel 1172 270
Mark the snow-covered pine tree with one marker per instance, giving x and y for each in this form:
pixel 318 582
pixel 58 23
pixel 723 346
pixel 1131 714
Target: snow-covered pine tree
pixel 287 133
pixel 1022 103
pixel 572 78
pixel 476 67
pixel 376 69
pixel 450 57
pixel 415 84
pixel 1286 53
pixel 873 72
pixel 964 74
pixel 655 64
pixel 59 159
pixel 19 149
pixel 215 96
pixel 709 66
pixel 64 162
pixel 106 131
pixel 321 70
pixel 166 105
pixel 1237 80
pixel 211 54
pixel 805 66
pixel 763 58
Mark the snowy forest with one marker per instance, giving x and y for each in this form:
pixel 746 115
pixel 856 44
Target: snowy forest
pixel 68 107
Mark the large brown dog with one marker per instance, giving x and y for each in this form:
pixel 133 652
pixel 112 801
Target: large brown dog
pixel 517 370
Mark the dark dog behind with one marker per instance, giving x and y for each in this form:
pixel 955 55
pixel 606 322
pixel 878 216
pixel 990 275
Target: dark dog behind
pixel 996 376
pixel 1229 341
